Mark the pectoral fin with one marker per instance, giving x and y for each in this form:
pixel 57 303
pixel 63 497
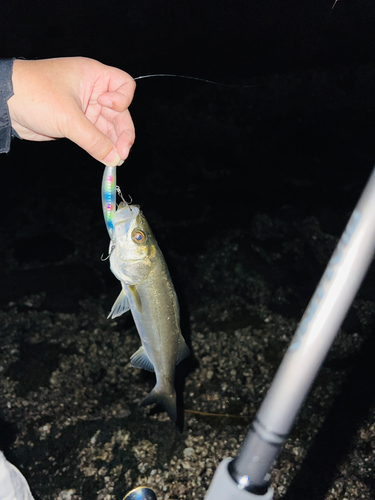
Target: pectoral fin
pixel 140 360
pixel 120 306
pixel 136 298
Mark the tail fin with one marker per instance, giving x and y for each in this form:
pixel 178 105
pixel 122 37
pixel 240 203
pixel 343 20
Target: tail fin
pixel 164 395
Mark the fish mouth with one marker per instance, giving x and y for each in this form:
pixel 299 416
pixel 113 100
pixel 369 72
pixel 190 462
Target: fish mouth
pixel 125 214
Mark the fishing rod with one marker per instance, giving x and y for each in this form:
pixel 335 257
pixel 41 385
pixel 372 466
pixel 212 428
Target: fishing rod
pixel 247 476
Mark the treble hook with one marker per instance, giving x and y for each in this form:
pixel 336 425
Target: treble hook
pixel 110 253
pixel 118 191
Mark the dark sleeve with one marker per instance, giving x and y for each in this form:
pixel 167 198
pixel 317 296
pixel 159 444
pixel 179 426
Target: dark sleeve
pixel 6 91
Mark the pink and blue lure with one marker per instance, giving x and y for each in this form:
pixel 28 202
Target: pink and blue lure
pixel 109 198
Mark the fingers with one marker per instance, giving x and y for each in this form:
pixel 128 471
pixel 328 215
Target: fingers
pixel 124 143
pixel 118 101
pixel 86 135
pixel 124 133
pixel 119 127
pixel 109 136
pixel 120 91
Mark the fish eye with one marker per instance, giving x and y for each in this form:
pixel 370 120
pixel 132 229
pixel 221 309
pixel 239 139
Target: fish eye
pixel 138 236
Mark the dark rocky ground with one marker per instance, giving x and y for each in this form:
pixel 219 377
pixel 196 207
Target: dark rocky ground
pixel 247 191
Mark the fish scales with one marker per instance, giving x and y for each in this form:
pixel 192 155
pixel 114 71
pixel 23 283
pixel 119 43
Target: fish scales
pixel 159 315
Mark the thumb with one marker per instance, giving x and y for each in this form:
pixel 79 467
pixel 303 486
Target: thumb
pixel 88 137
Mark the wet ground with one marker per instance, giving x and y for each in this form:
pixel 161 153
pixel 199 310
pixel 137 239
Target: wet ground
pixel 247 191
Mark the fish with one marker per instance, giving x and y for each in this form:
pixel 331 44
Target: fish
pixel 148 292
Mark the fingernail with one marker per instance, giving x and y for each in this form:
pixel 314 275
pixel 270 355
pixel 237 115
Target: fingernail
pixel 112 159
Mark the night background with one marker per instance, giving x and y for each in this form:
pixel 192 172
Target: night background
pixel 247 188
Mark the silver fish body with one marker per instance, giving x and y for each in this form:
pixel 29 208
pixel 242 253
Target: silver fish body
pixel 147 290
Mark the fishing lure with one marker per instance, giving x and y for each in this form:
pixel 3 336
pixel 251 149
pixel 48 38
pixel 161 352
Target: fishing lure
pixel 109 198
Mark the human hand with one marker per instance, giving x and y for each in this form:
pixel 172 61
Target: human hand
pixel 77 98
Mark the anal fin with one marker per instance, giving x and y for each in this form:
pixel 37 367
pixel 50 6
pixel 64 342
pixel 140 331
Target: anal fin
pixel 140 360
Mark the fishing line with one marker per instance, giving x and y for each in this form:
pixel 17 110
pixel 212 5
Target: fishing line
pixel 220 415
pixel 168 75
